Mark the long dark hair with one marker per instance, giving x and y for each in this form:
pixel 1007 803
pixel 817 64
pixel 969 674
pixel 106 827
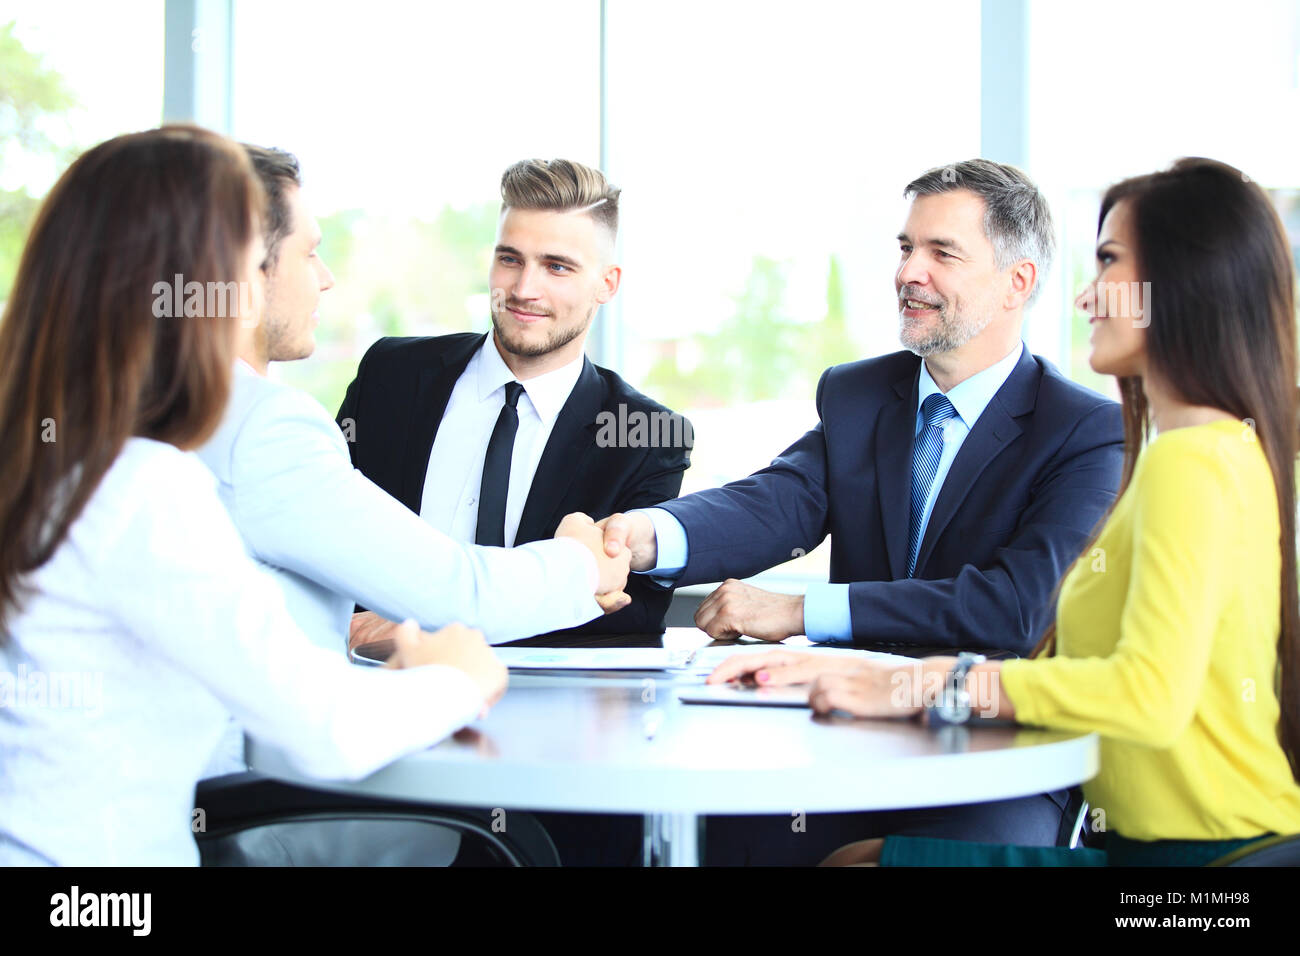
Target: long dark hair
pixel 86 361
pixel 1222 334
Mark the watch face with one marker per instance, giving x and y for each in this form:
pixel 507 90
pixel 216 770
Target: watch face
pixel 954 708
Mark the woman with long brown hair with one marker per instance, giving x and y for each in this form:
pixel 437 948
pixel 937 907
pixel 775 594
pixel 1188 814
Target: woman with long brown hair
pixel 1176 636
pixel 131 620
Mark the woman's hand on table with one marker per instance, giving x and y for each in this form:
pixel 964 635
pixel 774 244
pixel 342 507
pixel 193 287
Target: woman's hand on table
pixel 864 687
pixel 860 686
pixel 877 689
pixel 893 689
pixel 452 646
pixel 781 667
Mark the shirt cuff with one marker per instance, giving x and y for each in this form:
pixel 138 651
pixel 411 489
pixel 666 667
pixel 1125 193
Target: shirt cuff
pixel 589 562
pixel 670 546
pixel 826 616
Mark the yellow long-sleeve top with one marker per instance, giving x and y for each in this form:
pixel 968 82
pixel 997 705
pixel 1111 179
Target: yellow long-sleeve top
pixel 1167 647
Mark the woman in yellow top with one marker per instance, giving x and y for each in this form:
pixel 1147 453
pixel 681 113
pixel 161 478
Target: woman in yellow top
pixel 1176 637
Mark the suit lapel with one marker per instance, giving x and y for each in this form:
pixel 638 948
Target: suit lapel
pixel 995 429
pixel 573 435
pixel 433 392
pixel 895 433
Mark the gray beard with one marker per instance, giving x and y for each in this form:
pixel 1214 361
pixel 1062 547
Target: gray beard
pixel 952 333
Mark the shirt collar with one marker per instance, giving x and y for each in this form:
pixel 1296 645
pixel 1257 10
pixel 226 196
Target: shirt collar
pixel 973 395
pixel 547 392
pixel 243 368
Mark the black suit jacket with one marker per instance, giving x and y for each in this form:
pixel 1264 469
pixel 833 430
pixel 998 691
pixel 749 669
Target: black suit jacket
pixel 396 404
pixel 1032 479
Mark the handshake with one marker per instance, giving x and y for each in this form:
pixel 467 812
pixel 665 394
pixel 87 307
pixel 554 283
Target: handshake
pixel 619 543
pixel 627 542
pixel 611 544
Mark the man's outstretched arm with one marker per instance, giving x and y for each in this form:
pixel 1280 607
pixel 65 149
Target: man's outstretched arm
pixel 301 506
pixel 658 478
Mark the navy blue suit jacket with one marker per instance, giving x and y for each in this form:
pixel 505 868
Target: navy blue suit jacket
pixel 1031 481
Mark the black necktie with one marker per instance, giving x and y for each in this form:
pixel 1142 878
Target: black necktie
pixel 496 472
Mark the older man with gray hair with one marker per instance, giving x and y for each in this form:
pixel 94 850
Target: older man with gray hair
pixel 957 480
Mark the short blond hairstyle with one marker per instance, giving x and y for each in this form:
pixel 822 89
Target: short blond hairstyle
pixel 561 185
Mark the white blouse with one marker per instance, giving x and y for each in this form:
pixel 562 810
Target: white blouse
pixel 147 626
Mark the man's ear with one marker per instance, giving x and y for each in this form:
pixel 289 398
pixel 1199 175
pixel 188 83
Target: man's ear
pixel 609 281
pixel 1024 276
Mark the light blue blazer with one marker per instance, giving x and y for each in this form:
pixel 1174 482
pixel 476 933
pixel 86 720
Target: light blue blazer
pixel 332 539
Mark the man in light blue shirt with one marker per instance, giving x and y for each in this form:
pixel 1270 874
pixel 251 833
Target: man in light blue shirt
pixel 332 539
pixel 325 532
pixel 329 536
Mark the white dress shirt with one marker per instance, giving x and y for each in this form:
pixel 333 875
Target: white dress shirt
pixel 455 472
pixel 151 599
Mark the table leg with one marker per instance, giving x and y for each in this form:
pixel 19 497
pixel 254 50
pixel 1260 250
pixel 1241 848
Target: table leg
pixel 672 839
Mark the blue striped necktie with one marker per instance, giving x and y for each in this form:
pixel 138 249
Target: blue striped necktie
pixel 935 412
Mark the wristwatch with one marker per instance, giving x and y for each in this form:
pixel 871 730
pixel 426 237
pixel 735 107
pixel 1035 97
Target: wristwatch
pixel 953 703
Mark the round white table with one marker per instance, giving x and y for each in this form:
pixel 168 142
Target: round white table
pixel 625 744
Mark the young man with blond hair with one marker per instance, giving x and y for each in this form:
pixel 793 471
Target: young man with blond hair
pixel 493 438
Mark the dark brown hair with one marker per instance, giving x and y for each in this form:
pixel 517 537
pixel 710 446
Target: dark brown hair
pixel 1222 334
pixel 86 358
pixel 278 172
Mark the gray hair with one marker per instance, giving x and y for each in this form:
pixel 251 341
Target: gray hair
pixel 1017 220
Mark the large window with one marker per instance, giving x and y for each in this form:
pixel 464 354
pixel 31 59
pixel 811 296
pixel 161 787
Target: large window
pixel 762 149
pixel 1121 88
pixel 404 116
pixel 71 75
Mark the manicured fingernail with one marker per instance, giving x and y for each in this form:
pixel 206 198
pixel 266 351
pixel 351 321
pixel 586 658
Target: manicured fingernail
pixel 763 677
